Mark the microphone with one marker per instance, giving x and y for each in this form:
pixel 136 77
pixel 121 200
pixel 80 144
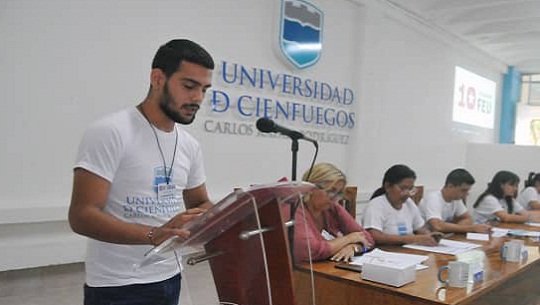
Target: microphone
pixel 267 125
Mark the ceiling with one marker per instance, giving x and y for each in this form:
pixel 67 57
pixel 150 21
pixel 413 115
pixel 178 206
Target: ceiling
pixel 508 30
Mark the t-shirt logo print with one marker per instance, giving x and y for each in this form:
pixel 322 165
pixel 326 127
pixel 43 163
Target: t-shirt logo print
pixel 402 229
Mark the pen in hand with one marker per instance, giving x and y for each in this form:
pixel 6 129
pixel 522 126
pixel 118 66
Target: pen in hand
pixel 439 236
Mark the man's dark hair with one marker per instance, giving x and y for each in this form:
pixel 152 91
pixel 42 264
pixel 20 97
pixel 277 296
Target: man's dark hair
pixel 459 176
pixel 170 55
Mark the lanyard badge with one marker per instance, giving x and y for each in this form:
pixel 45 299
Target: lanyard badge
pixel 168 191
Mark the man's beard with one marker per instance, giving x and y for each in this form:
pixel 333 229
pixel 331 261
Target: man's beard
pixel 166 106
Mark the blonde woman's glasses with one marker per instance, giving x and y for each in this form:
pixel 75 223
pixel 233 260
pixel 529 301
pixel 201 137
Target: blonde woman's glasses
pixel 332 194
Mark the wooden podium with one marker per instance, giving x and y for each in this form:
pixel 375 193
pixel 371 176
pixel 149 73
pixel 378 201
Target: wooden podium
pixel 244 238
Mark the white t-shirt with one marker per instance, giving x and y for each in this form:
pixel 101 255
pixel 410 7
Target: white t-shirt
pixel 528 195
pixel 486 209
pixel 122 149
pixel 434 206
pixel 382 216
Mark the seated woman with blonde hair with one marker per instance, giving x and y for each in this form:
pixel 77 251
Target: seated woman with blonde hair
pixel 329 230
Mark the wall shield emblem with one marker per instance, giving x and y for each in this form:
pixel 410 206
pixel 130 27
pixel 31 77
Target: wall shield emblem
pixel 301 31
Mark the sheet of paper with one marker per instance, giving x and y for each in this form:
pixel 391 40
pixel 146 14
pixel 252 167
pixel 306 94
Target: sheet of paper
pixel 498 232
pixel 446 246
pixel 421 267
pixel 477 236
pixel 533 234
pixel 523 233
pixel 534 224
pixel 398 258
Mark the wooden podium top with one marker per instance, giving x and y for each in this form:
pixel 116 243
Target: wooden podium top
pixel 503 281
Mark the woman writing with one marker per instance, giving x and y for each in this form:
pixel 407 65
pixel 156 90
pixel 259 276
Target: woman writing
pixel 497 202
pixel 324 225
pixel 392 217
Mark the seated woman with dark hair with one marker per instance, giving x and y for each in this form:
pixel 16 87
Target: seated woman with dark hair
pixel 391 217
pixel 497 202
pixel 529 198
pixel 324 225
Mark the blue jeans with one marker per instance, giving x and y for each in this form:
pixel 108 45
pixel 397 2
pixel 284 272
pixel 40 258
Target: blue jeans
pixel 166 292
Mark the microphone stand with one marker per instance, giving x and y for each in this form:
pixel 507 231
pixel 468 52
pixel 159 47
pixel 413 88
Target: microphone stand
pixel 293 207
pixel 295 136
pixel 294 150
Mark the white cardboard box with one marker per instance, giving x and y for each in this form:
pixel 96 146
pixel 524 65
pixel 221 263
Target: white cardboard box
pixel 392 273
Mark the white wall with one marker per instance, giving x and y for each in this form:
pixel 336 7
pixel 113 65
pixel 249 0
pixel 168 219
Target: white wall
pixel 407 80
pixel 65 63
pixel 232 160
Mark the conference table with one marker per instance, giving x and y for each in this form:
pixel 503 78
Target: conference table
pixel 503 283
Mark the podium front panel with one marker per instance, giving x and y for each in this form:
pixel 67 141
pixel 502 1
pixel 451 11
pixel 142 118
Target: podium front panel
pixel 240 250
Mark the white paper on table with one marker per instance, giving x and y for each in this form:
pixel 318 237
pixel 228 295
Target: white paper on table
pixel 498 232
pixel 523 233
pixel 477 236
pixel 446 246
pixel 534 224
pixel 391 257
pixel 533 234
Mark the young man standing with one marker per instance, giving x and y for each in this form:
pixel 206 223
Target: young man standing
pixel 445 210
pixel 138 178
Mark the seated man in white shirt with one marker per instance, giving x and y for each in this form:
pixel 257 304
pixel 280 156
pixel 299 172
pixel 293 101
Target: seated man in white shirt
pixel 445 211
